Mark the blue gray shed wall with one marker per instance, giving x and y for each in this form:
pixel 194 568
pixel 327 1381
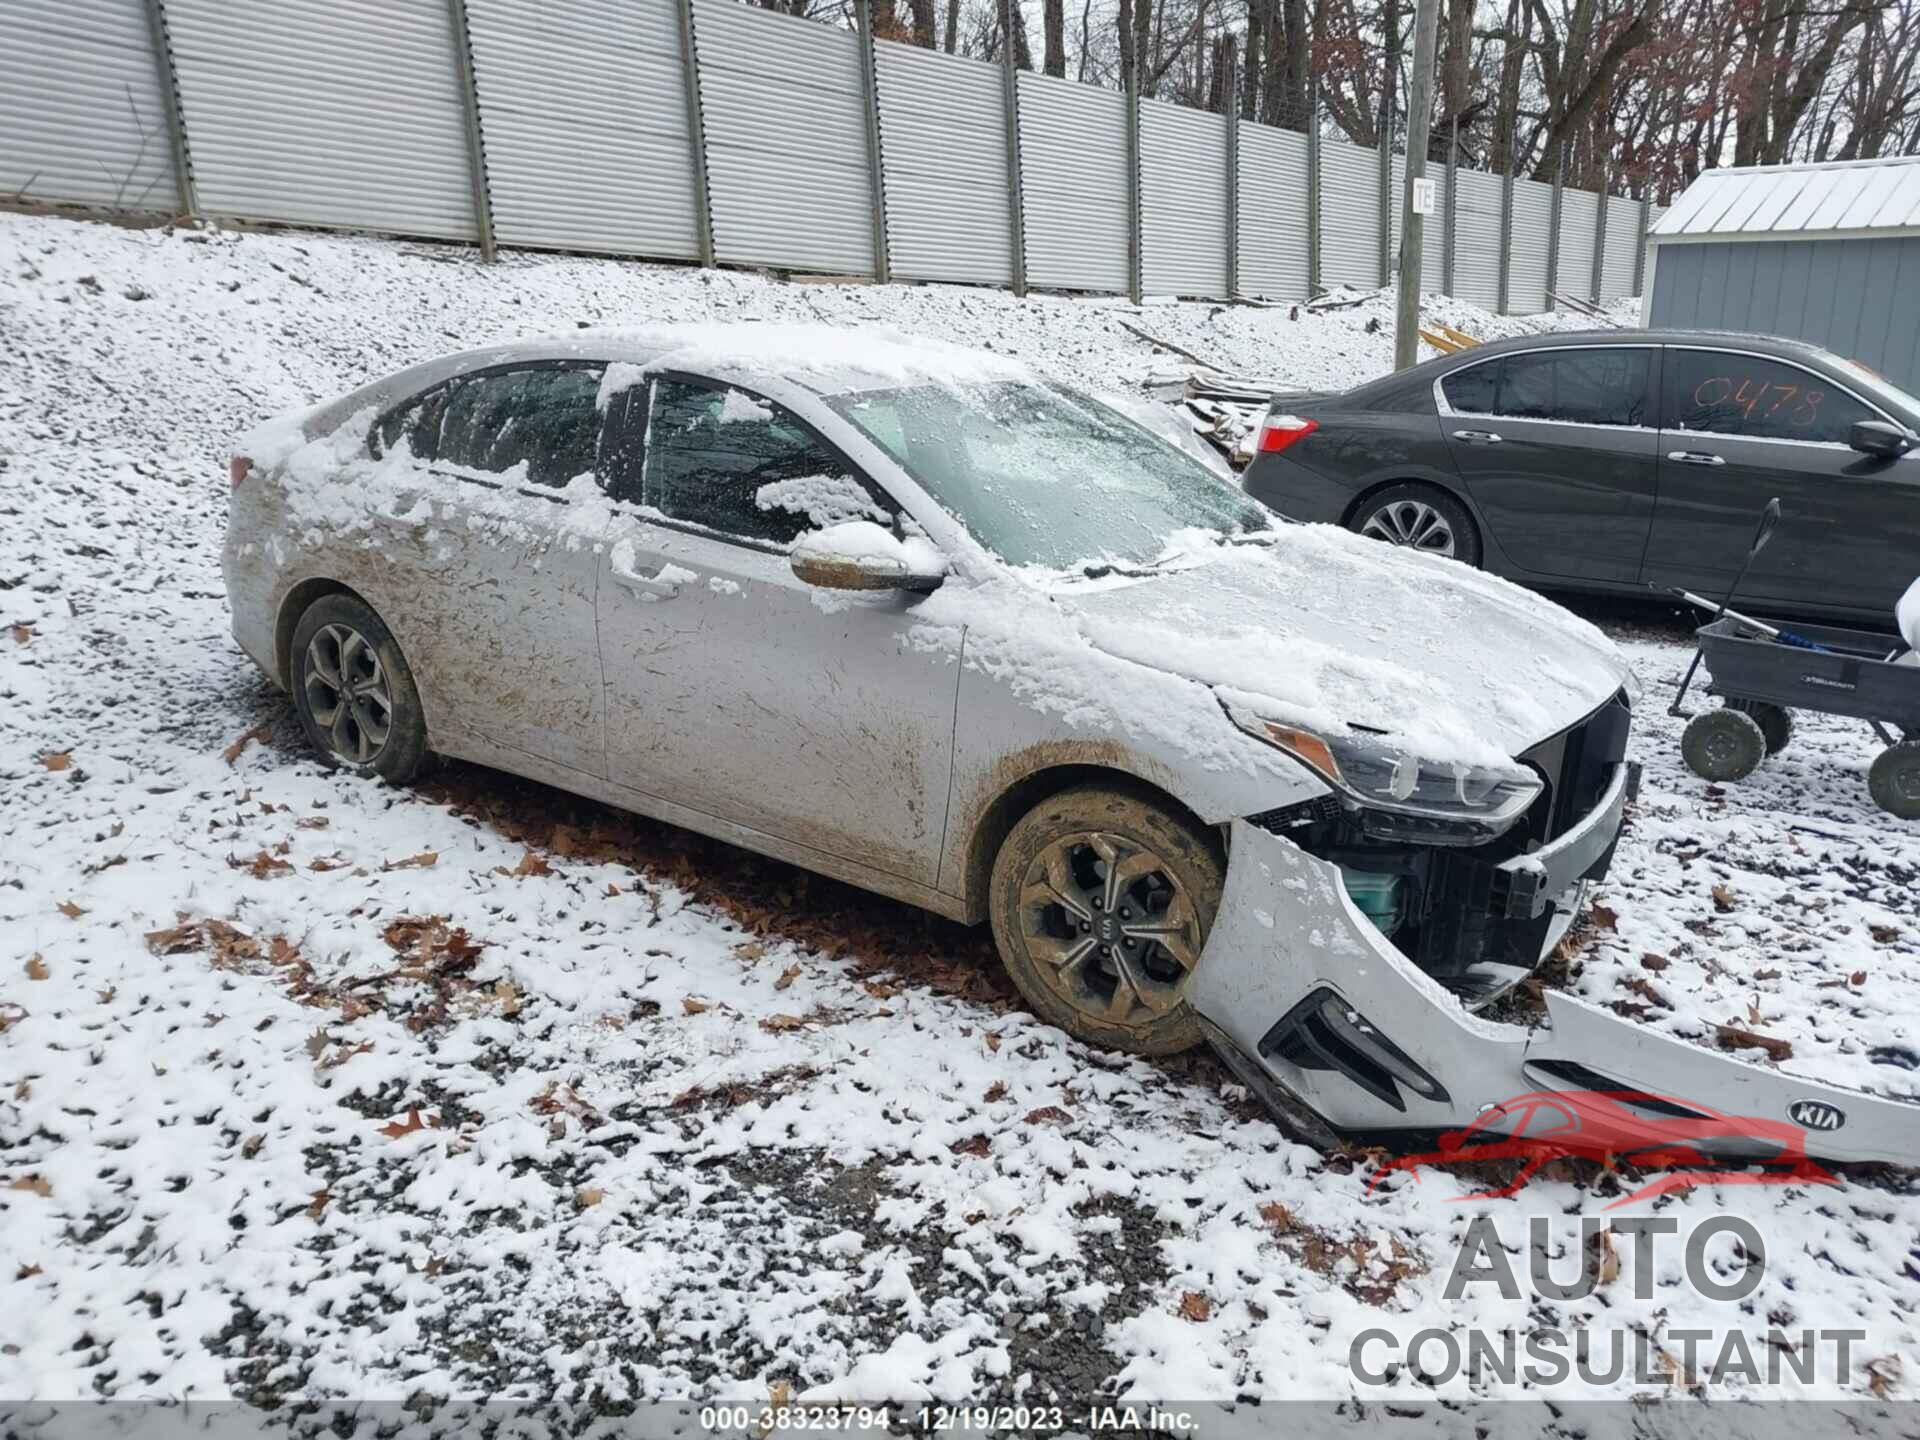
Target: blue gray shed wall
pixel 1859 298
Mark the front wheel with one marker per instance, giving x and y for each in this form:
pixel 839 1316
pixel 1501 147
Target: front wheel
pixel 1101 900
pixel 354 692
pixel 1419 517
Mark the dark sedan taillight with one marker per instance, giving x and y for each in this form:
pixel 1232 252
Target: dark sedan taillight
pixel 238 468
pixel 1277 432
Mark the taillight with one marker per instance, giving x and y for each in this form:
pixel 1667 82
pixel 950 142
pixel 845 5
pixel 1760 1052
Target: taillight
pixel 1277 432
pixel 238 468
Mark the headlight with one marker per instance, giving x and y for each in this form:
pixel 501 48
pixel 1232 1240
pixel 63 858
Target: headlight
pixel 1401 796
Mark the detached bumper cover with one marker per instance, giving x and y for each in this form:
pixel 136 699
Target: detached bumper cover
pixel 1340 1032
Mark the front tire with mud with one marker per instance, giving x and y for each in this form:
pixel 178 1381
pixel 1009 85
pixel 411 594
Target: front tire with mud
pixel 1101 901
pixel 354 691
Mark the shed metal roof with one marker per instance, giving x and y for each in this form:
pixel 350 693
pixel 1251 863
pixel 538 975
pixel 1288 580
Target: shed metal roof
pixel 1858 197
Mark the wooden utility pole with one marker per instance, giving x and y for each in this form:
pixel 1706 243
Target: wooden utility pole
pixel 1406 327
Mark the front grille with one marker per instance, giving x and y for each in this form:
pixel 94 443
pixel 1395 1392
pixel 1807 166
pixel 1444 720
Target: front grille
pixel 1578 765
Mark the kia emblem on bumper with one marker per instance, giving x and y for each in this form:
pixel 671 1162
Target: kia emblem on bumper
pixel 1816 1115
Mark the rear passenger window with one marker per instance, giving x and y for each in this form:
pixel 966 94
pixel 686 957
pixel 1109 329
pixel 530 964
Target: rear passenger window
pixel 538 426
pixel 414 428
pixel 1582 387
pixel 1729 394
pixel 731 462
pixel 1473 391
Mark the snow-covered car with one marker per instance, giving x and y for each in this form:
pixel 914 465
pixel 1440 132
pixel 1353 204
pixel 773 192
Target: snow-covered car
pixel 910 616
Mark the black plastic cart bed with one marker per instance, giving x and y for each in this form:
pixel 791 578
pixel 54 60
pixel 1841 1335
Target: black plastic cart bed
pixel 1763 677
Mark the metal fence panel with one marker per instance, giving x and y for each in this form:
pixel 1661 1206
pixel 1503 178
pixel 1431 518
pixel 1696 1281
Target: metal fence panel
pixel 81 118
pixel 582 103
pixel 943 142
pixel 1349 215
pixel 1273 212
pixel 1183 200
pixel 1579 211
pixel 1476 240
pixel 784 108
pixel 1433 233
pixel 1073 184
pixel 1532 233
pixel 1623 239
pixel 325 112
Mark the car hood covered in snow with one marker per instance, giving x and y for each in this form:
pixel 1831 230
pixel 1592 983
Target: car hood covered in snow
pixel 1325 629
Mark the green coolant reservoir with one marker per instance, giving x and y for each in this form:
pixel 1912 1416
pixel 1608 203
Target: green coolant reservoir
pixel 1379 897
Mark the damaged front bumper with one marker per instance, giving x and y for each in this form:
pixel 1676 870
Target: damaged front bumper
pixel 1341 1034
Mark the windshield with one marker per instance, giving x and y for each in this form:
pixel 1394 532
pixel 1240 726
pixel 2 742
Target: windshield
pixel 1877 387
pixel 1044 477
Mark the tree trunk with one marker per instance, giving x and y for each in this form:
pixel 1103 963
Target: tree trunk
pixel 953 27
pixel 923 22
pixel 1054 16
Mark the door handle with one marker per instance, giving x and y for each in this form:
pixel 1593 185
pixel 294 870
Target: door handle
pixel 662 584
pixel 1694 457
pixel 1477 437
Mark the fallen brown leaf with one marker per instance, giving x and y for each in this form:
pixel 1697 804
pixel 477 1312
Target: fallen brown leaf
pixel 26 1272
pixel 1602 918
pixel 312 822
pixel 22 634
pixel 38 1184
pixel 1195 1306
pixel 1733 1037
pixel 262 733
pixel 250 1147
pixel 425 860
pixel 1722 898
pixel 57 760
pixel 1767 974
pixel 779 1024
pixel 1049 1115
pixel 262 866
pixel 70 910
pixel 10 1016
pixel 1653 962
pixel 36 967
pixel 880 990
pixel 993 1041
pixel 750 950
pixel 1278 1216
pixel 693 1006
pixel 320 1199
pixel 1885 934
pixel 398 1129
pixel 996 1092
pixel 787 977
pixel 978 1146
pixel 531 864
pixel 588 1197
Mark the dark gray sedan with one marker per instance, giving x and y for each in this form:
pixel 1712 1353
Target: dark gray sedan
pixel 1619 459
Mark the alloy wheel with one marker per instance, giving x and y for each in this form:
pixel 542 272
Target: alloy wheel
pixel 1412 523
pixel 1109 927
pixel 347 693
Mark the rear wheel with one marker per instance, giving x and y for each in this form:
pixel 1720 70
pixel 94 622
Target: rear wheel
pixel 354 692
pixel 1775 721
pixel 1419 517
pixel 1723 745
pixel 1101 900
pixel 1894 780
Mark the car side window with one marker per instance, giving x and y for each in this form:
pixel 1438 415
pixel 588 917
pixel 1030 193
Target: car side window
pixel 1723 393
pixel 538 426
pixel 1597 386
pixel 731 462
pixel 414 427
pixel 1474 390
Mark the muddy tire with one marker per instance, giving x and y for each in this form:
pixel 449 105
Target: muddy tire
pixel 1101 900
pixel 1894 780
pixel 354 692
pixel 1775 721
pixel 1419 517
pixel 1723 745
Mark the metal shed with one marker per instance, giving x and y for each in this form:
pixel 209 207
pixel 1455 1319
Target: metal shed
pixel 1824 253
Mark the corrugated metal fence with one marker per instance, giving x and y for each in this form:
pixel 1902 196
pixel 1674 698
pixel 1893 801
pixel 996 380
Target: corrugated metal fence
pixel 711 130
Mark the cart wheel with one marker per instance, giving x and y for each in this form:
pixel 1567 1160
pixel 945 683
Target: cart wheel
pixel 1723 745
pixel 1775 721
pixel 1894 780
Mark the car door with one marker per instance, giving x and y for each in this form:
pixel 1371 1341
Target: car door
pixel 513 664
pixel 733 688
pixel 1744 428
pixel 1558 452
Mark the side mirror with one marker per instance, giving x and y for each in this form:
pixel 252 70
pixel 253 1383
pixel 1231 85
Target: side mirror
pixel 1769 518
pixel 1879 439
pixel 860 555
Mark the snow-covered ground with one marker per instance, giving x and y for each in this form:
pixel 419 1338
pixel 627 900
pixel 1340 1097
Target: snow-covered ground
pixel 309 1087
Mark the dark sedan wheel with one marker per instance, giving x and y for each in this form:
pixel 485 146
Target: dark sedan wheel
pixel 354 692
pixel 1420 517
pixel 1101 902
